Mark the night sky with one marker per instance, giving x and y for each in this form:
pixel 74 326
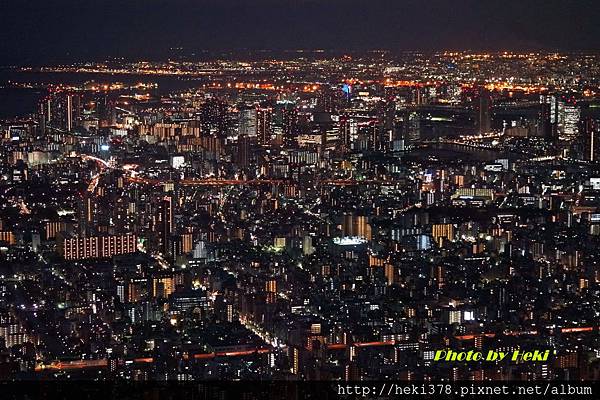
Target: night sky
pixel 34 31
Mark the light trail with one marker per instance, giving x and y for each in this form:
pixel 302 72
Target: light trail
pixel 103 362
pixel 103 164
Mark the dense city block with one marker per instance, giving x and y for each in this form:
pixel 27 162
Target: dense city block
pixel 302 216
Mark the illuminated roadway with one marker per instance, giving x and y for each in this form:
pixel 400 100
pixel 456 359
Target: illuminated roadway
pixel 104 165
pixel 102 363
pixel 238 182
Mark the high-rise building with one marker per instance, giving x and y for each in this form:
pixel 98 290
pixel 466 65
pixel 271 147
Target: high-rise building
pixel 290 127
pixel 35 241
pixel 264 129
pixel 61 111
pixel 214 117
pixel 69 113
pixel 345 133
pixel 569 115
pixel 53 228
pixel 548 117
pixel 412 128
pixel 357 226
pixel 307 245
pixel 590 143
pixel 247 122
pixel 484 111
pixel 163 287
pixel 165 223
pixel 7 237
pixel 271 290
pixel 441 232
pixel 91 247
pixel 544 127
pixel 243 150
pixel 200 250
pixel 87 210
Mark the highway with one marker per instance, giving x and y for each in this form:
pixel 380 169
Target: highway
pixel 103 362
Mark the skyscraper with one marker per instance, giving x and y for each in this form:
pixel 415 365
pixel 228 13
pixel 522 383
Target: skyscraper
pixel 61 111
pixel 548 117
pixel 243 149
pixel 569 115
pixel 264 119
pixel 166 223
pixel 590 143
pixel 290 126
pixel 345 134
pixel 247 122
pixel 69 113
pixel 484 111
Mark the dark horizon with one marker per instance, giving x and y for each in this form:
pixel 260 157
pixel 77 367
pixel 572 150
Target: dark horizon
pixel 64 30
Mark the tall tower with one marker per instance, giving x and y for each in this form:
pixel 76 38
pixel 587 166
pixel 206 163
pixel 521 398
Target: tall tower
pixel 247 122
pixel 264 119
pixel 412 127
pixel 345 131
pixel 548 121
pixel 69 113
pixel 166 223
pixel 569 116
pixel 484 111
pixel 590 143
pixel 243 148
pixel 290 126
pixel 544 122
pixel 42 120
pixel 87 211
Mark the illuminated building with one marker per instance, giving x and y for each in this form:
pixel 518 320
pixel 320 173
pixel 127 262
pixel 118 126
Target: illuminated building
pixel 569 115
pixel 165 223
pixel 296 361
pixel 290 127
pixel 186 243
pixel 357 226
pixel 345 131
pixel 87 211
pixel 264 128
pixel 54 227
pixel 548 118
pixel 163 287
pixel 590 132
pixel 137 289
pixel 247 122
pixel 442 231
pixel 271 290
pixel 93 247
pixel 8 237
pixel 390 274
pixel 307 245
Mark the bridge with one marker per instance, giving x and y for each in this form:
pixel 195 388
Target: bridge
pixel 481 152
